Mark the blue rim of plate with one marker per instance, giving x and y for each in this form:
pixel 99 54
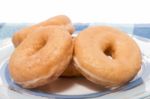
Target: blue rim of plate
pixel 15 87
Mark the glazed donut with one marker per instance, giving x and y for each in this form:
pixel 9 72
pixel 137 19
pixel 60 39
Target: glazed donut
pixel 41 57
pixel 61 20
pixel 107 56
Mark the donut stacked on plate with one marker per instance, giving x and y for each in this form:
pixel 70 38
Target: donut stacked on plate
pixel 46 51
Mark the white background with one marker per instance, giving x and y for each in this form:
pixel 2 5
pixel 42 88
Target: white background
pixel 109 11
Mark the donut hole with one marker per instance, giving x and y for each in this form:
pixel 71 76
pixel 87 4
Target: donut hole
pixel 41 44
pixel 109 52
pixel 38 46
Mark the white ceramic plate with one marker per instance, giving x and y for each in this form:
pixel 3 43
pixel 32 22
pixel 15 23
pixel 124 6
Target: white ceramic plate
pixel 74 88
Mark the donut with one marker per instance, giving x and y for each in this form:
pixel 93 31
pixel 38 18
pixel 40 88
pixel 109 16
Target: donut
pixel 41 57
pixel 61 20
pixel 106 56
